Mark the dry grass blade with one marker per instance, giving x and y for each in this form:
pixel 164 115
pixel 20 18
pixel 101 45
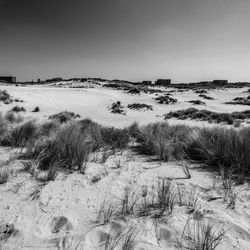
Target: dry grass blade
pixel 202 235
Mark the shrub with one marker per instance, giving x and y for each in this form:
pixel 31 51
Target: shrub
pixel 165 100
pixel 134 91
pixel 114 137
pixel 221 147
pixel 48 127
pixel 36 109
pixel 3 125
pixel 206 97
pixel 206 115
pixel 117 108
pixel 18 109
pixel 69 146
pixel 4 96
pixel 4 176
pixel 12 117
pixel 20 135
pixel 139 106
pixel 64 116
pixel 162 140
pixel 197 102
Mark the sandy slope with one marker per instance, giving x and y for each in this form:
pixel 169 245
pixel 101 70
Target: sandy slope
pixel 62 214
pixel 94 103
pixel 78 197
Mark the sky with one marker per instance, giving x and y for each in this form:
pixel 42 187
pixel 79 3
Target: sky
pixel 185 40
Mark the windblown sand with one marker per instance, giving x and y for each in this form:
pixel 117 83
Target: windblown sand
pixel 62 214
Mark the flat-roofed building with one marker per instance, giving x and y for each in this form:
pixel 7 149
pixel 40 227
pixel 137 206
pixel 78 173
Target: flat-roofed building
pixel 163 82
pixel 220 82
pixel 8 79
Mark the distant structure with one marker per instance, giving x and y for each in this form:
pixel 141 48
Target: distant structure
pixel 220 82
pixel 55 79
pixel 146 82
pixel 163 82
pixel 8 79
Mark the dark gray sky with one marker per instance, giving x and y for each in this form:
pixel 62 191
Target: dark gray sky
pixel 186 40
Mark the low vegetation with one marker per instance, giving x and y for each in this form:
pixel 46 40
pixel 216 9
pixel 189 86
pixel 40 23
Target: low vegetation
pixel 197 102
pixel 12 117
pixel 18 109
pixel 240 101
pixel 69 144
pixel 64 116
pixel 165 99
pixel 140 106
pixel 200 91
pixel 117 108
pixel 162 140
pixel 36 109
pixel 218 148
pixel 5 97
pixel 206 115
pixel 206 97
pixel 134 91
pixel 202 235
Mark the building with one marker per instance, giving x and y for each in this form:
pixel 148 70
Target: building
pixel 55 79
pixel 220 82
pixel 163 82
pixel 8 79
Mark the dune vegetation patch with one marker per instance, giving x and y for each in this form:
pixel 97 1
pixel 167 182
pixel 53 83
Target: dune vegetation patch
pixel 210 116
pixel 219 148
pixel 117 108
pixel 200 91
pixel 12 117
pixel 206 97
pixel 197 102
pixel 134 91
pixel 18 109
pixel 6 98
pixel 240 101
pixel 165 99
pixel 140 106
pixel 64 116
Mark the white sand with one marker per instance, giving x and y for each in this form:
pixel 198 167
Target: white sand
pixel 94 103
pixel 78 197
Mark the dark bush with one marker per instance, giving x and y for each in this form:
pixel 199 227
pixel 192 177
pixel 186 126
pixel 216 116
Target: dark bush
pixel 206 97
pixel 12 117
pixel 139 106
pixel 20 135
pixel 114 137
pixel 36 109
pixel 166 99
pixel 197 102
pixel 117 108
pixel 206 115
pixel 64 116
pixel 18 109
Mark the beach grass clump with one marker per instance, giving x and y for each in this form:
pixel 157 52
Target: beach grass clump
pixel 18 109
pixel 20 135
pixel 206 115
pixel 12 117
pixel 64 116
pixel 222 148
pixel 162 140
pixel 114 137
pixel 68 145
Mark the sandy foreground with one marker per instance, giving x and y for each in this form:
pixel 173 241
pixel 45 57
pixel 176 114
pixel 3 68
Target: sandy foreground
pixel 63 214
